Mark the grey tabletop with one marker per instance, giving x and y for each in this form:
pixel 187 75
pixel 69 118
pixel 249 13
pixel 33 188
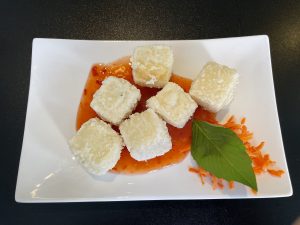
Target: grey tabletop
pixel 21 21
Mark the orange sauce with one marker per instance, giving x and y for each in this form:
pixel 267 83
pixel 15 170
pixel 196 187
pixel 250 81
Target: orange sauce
pixel 181 138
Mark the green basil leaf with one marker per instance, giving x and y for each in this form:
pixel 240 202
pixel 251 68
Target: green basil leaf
pixel 219 151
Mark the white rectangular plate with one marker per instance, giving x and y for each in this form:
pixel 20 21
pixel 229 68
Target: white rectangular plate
pixel 47 171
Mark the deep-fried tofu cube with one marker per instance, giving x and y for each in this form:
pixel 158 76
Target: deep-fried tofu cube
pixel 152 65
pixel 145 135
pixel 115 99
pixel 96 146
pixel 173 104
pixel 213 89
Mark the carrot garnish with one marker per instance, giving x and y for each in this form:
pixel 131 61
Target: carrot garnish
pixel 194 170
pixel 220 183
pixel 243 120
pixel 214 180
pixel 276 173
pixel 230 184
pixel 254 192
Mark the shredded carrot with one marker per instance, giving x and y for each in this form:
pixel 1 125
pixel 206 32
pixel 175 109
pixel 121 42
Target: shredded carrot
pixel 261 162
pixel 201 178
pixel 202 174
pixel 276 173
pixel 243 120
pixel 253 191
pixel 257 170
pixel 194 170
pixel 231 119
pixel 230 184
pixel 220 183
pixel 214 182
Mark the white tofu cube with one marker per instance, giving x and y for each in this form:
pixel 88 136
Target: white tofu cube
pixel 152 65
pixel 173 104
pixel 96 146
pixel 213 89
pixel 115 99
pixel 146 135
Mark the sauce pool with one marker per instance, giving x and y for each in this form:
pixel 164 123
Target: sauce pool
pixel 181 138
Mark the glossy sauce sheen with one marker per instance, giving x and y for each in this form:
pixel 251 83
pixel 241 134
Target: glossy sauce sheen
pixel 181 138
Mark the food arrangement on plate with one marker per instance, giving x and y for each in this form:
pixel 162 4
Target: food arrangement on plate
pixel 135 116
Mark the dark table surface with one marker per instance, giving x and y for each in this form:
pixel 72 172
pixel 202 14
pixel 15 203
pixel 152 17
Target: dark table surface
pixel 21 21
